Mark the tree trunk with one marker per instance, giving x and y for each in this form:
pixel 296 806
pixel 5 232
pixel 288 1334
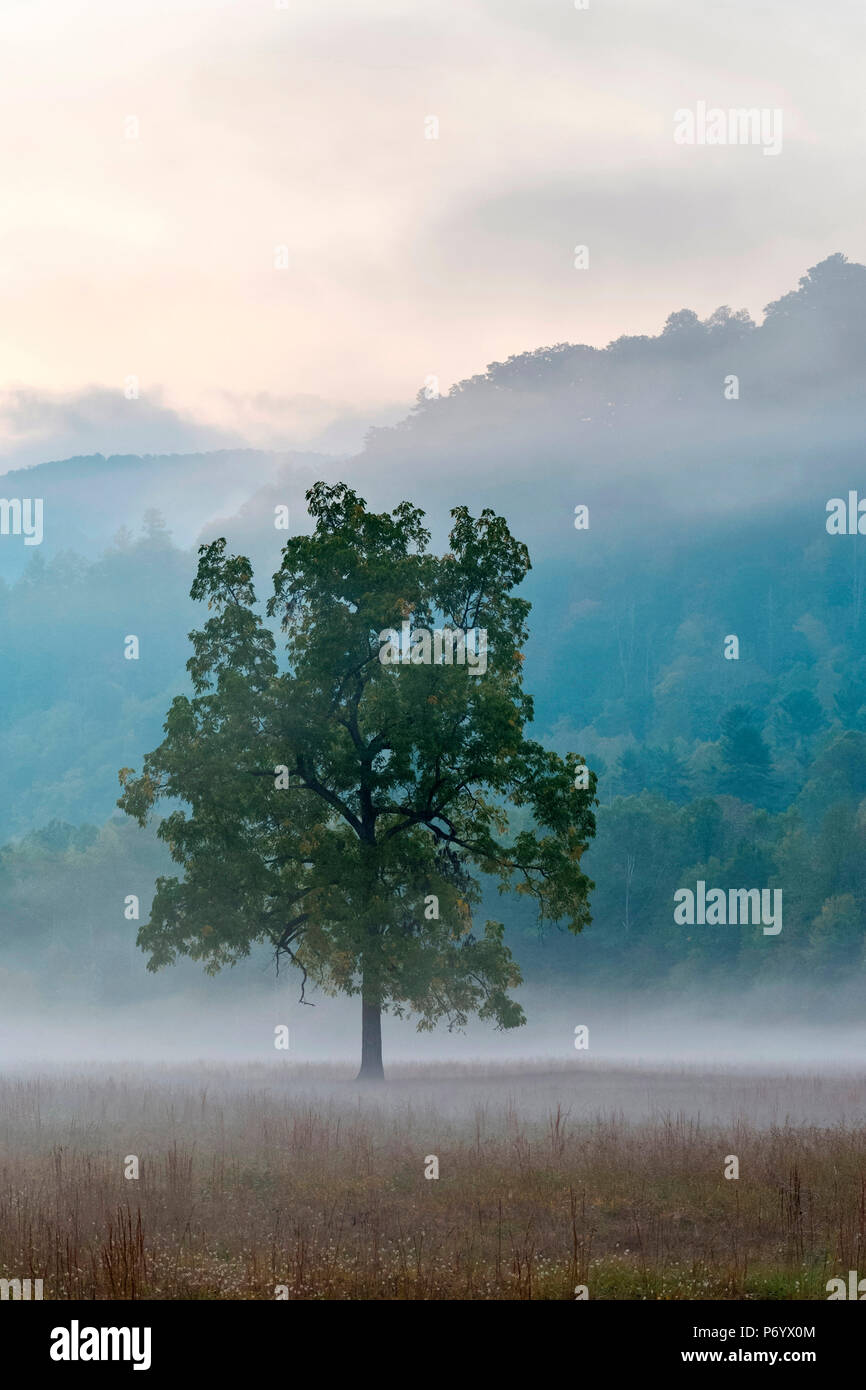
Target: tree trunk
pixel 371 1040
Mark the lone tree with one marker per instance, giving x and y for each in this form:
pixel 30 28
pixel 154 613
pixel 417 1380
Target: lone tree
pixel 338 803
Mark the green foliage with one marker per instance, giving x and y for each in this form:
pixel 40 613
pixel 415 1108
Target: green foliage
pixel 73 708
pixel 746 757
pixel 62 930
pixel 398 780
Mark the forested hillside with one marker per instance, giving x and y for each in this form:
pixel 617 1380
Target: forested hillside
pixel 744 771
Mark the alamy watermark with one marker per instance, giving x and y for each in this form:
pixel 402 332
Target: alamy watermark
pixel 846 517
pixel 77 1343
pixel 443 646
pixel 856 1287
pixel 736 906
pixel 21 1289
pixel 736 126
pixel 22 516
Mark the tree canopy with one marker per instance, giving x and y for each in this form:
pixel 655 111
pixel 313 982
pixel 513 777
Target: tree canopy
pixel 342 808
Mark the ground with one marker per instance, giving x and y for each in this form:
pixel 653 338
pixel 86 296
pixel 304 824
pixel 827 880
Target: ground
pixel 283 1181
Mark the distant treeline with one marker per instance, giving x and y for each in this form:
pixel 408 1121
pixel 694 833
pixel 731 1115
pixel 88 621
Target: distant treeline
pixel 65 889
pixel 748 773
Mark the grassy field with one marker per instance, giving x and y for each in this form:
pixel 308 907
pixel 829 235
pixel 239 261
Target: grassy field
pixel 549 1178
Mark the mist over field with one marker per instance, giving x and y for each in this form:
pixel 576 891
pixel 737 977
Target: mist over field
pixel 758 1034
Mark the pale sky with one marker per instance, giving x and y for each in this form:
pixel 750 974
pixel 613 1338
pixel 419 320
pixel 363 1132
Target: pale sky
pixel 407 257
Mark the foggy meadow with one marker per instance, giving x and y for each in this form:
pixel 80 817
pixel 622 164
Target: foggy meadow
pixel 177 1135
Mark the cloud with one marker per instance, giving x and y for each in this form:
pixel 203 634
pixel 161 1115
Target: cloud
pixel 304 128
pixel 268 420
pixel 39 425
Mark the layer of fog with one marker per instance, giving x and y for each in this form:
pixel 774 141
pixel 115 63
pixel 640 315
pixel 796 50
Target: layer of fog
pixel 759 1030
pixel 112 1104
